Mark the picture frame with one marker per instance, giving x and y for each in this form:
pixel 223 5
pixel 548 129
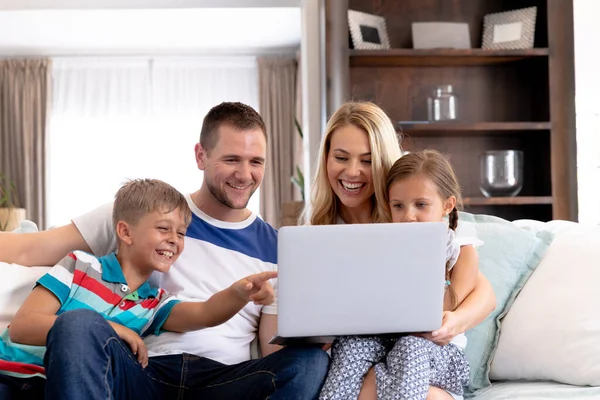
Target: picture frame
pixel 440 35
pixel 368 31
pixel 509 30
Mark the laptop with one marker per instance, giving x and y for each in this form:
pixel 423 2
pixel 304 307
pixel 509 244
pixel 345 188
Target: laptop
pixel 359 279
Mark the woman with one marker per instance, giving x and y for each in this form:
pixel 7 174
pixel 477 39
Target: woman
pixel 358 149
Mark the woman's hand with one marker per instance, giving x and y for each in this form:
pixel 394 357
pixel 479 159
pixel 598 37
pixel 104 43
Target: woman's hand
pixel 452 325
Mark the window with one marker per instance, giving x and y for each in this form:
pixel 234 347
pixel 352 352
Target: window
pixel 118 119
pixel 587 82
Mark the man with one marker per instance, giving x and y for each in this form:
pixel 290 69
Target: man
pixel 224 242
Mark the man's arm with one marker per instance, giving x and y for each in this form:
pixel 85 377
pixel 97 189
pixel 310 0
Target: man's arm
pixel 191 316
pixel 33 320
pixel 41 248
pixel 267 328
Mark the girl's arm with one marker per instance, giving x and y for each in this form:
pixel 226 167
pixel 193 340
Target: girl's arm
pixel 33 320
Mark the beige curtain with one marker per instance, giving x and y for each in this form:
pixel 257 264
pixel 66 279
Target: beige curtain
pixel 277 103
pixel 24 101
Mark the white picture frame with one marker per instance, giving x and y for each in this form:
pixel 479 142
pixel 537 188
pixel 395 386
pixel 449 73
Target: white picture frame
pixel 509 30
pixel 368 31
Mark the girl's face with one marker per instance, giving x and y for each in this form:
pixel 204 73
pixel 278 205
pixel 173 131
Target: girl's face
pixel 416 199
pixel 349 166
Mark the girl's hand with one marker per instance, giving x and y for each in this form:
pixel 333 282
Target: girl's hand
pixel 451 326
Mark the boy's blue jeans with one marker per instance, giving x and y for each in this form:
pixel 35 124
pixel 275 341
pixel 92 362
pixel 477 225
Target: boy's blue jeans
pixel 87 360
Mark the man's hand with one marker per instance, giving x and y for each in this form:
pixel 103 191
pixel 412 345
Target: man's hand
pixel 451 326
pixel 256 288
pixel 135 342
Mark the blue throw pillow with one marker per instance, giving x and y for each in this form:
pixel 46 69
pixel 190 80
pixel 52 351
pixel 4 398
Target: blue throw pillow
pixel 507 258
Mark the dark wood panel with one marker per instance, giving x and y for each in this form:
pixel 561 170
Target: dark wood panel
pixel 464 155
pixel 400 14
pixel 540 212
pixel 439 58
pixel 562 107
pixel 505 93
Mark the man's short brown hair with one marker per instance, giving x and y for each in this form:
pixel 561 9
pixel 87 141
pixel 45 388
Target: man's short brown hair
pixel 140 197
pixel 237 115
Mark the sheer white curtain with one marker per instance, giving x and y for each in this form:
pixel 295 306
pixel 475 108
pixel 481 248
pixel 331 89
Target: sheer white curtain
pixel 115 119
pixel 587 81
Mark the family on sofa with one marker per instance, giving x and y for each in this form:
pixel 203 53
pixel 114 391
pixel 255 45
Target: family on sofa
pixel 224 243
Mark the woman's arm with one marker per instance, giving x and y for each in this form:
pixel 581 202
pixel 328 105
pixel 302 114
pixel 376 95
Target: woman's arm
pixel 41 248
pixel 473 310
pixel 478 305
pixel 464 274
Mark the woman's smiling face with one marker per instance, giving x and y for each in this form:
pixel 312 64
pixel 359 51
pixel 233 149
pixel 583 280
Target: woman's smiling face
pixel 349 166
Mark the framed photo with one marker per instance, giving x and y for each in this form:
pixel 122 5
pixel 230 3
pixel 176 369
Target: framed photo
pixel 368 31
pixel 509 30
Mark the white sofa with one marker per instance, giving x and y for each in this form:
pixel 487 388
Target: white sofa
pixel 549 339
pixel 547 345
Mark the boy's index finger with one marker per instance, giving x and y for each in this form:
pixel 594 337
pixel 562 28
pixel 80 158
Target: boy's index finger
pixel 265 276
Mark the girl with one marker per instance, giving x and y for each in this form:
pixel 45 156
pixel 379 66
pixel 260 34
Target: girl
pixel 420 187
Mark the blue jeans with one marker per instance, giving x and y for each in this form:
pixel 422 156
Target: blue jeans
pixel 87 360
pixel 17 388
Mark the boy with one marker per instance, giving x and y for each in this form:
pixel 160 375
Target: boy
pixel 150 219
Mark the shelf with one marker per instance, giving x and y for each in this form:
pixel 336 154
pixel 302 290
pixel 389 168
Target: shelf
pixel 440 58
pixel 503 128
pixel 507 201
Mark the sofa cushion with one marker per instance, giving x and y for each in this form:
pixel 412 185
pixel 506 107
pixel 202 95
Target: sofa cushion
pixel 16 282
pixel 508 256
pixel 539 391
pixel 553 329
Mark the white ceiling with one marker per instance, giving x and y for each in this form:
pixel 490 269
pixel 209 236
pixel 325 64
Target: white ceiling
pixel 55 28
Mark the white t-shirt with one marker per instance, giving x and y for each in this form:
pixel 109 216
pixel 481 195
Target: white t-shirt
pixel 216 255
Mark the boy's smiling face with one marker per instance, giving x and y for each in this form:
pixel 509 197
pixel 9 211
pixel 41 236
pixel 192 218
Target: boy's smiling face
pixel 156 240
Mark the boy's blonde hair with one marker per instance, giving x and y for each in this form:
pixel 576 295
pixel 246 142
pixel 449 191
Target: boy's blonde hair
pixel 140 197
pixel 435 167
pixel 385 149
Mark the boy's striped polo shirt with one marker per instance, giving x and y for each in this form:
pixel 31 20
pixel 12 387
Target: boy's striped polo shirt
pixel 82 281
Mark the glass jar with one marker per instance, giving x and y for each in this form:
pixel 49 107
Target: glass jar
pixel 443 104
pixel 501 173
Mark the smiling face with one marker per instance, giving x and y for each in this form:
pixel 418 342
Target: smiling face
pixel 157 239
pixel 349 166
pixel 417 199
pixel 234 167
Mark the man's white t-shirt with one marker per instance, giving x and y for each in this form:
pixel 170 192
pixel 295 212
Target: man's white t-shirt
pixel 216 255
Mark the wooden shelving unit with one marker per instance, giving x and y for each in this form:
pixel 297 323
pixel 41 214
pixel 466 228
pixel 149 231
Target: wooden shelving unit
pixel 471 129
pixel 507 201
pixel 506 99
pixel 441 58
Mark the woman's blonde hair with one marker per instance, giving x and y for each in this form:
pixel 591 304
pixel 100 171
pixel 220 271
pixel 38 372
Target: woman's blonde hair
pixel 385 149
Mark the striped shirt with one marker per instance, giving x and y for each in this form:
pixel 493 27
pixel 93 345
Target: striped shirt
pixel 82 281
